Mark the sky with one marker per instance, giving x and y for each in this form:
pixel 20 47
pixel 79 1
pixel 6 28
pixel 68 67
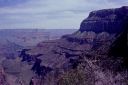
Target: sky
pixel 50 14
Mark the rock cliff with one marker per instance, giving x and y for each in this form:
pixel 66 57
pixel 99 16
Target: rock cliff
pixel 107 20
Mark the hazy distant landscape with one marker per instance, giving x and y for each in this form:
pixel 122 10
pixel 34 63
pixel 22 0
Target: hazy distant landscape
pixel 31 37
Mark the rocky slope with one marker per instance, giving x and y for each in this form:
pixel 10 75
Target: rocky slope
pixel 9 49
pixel 94 45
pixel 108 20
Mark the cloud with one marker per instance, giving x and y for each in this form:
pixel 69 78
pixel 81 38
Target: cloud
pixel 49 13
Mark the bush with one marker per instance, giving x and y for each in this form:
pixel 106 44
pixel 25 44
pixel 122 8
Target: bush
pixel 76 77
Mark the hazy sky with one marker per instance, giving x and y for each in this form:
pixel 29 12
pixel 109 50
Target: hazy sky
pixel 50 14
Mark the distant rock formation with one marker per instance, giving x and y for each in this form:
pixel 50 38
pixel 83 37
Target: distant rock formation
pixel 107 20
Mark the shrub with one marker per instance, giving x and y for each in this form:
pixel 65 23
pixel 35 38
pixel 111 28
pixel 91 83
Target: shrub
pixel 76 77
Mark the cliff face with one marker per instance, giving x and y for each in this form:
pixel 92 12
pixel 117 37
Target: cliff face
pixel 108 20
pixel 92 42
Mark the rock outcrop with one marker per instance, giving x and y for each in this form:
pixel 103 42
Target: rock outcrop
pixel 107 20
pixel 3 80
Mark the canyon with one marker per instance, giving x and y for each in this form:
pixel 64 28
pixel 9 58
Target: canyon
pixel 99 47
